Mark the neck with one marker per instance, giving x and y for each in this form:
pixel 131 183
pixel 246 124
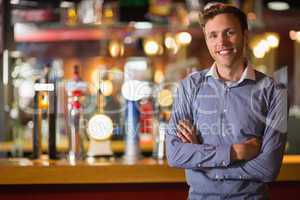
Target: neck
pixel 231 73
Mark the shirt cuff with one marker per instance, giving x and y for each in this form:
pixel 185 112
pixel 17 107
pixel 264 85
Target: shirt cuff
pixel 233 173
pixel 220 159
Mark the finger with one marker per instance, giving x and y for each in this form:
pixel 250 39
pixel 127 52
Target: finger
pixel 250 140
pixel 253 141
pixel 186 126
pixel 188 123
pixel 185 133
pixel 185 123
pixel 183 139
pixel 190 129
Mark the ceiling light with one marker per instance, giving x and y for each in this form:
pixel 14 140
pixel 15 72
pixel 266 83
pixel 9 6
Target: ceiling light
pixel 115 48
pixel 14 2
pixel 143 25
pixel 278 5
pixel 298 36
pixel 261 49
pixel 66 4
pixel 151 47
pixel 273 40
pixel 183 38
pixel 293 35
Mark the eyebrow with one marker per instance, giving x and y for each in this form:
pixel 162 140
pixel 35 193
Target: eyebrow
pixel 225 30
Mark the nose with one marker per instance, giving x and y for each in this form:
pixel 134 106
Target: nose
pixel 222 39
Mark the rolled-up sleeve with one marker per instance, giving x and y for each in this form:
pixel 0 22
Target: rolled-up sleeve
pixel 186 155
pixel 265 167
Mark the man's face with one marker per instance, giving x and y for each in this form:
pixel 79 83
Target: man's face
pixel 225 40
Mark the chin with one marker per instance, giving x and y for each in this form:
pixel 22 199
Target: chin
pixel 224 63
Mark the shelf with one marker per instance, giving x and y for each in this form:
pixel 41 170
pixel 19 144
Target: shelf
pixel 56 33
pixel 27 32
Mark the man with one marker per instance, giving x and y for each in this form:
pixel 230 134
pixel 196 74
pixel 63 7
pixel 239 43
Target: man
pixel 228 124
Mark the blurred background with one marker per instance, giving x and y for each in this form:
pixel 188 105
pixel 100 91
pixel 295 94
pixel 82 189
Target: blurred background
pixel 103 43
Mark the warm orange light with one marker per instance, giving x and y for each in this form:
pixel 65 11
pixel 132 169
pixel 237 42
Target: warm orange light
pixel 151 47
pixel 293 35
pixel 44 102
pixel 170 43
pixel 115 48
pixel 165 98
pixel 106 87
pixel 273 40
pixel 158 76
pixel 251 16
pixel 183 38
pixel 108 12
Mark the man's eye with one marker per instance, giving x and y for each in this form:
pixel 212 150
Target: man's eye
pixel 212 36
pixel 230 33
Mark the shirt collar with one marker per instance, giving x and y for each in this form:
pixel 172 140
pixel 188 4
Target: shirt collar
pixel 248 73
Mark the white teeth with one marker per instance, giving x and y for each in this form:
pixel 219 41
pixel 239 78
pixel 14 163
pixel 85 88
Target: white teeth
pixel 224 52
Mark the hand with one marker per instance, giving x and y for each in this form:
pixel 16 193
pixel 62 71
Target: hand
pixel 186 132
pixel 246 150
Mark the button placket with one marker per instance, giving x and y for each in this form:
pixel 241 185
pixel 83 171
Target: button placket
pixel 227 90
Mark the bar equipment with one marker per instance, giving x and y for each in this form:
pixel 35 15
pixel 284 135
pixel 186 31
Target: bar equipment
pixel 135 88
pixel 44 104
pixel 100 129
pixel 165 101
pixel 76 89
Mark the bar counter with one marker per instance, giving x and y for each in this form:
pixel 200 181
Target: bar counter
pixel 99 171
pixel 107 171
pixel 113 179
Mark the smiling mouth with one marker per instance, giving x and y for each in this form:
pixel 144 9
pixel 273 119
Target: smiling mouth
pixel 227 51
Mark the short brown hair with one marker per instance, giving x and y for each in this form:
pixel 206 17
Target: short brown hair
pixel 213 9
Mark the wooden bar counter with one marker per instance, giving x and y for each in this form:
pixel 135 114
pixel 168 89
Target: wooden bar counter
pixel 107 171
pixel 22 178
pixel 103 171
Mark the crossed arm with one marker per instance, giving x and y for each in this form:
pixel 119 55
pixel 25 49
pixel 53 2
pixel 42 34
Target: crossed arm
pixel 247 150
pixel 260 159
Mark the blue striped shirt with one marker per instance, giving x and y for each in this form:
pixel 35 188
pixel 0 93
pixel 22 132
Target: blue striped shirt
pixel 226 114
